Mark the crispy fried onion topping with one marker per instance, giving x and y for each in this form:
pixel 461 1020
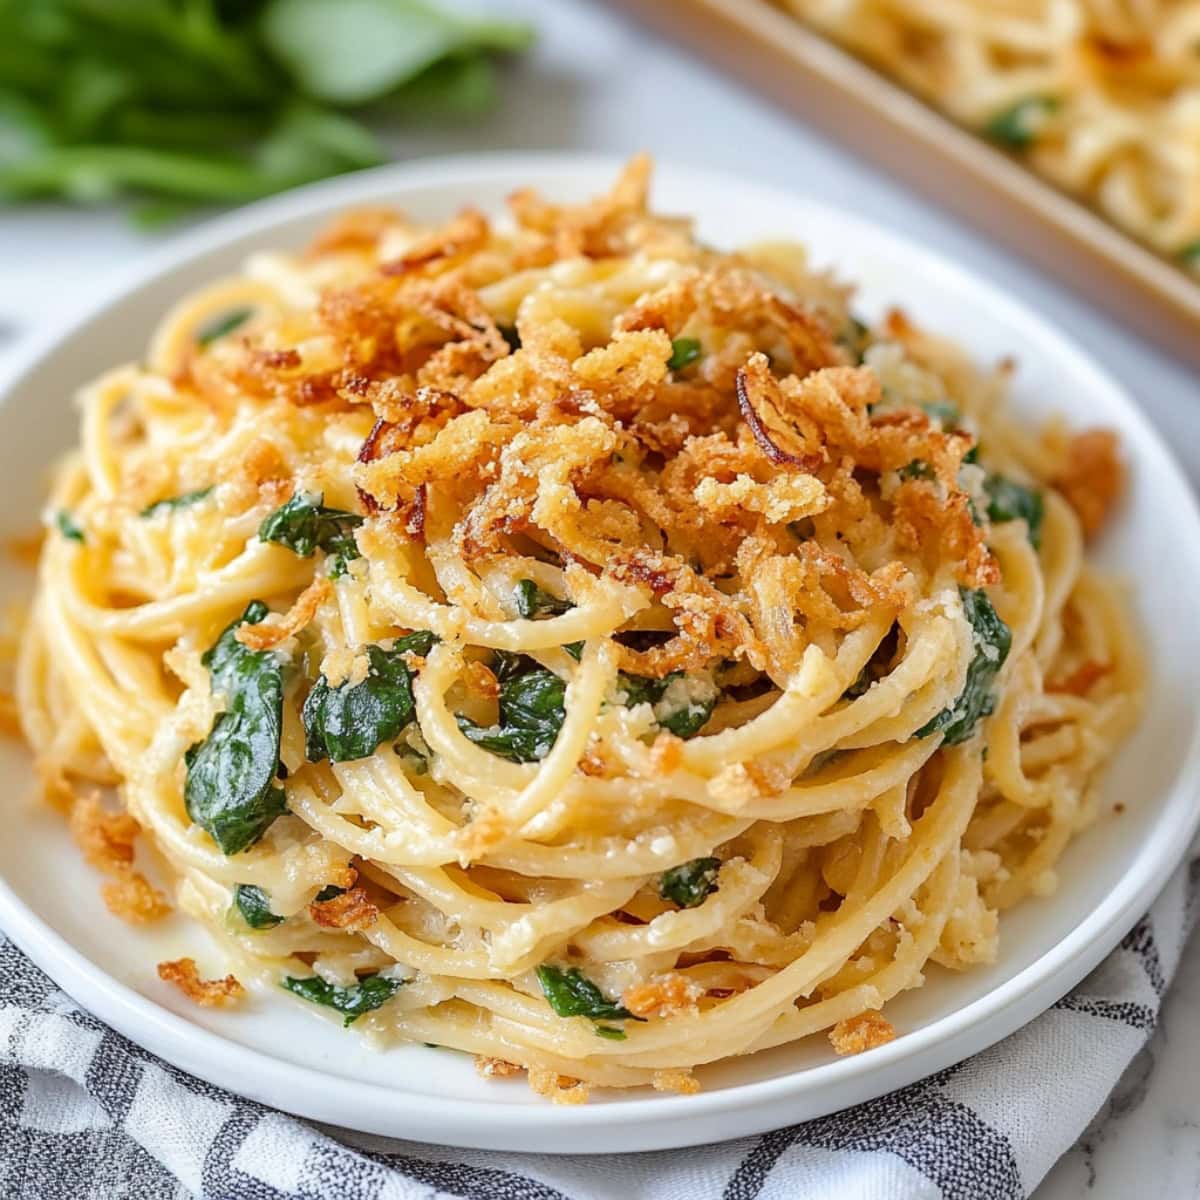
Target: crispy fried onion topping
pixel 208 993
pixel 107 840
pixel 701 438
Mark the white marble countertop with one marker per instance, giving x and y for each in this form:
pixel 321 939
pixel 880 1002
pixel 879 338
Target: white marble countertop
pixel 599 82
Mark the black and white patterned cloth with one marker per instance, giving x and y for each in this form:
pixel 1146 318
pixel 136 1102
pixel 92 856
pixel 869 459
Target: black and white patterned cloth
pixel 87 1115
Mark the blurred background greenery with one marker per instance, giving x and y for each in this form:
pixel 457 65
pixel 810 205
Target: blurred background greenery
pixel 173 104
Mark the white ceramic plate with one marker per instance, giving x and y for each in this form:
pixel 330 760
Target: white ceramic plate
pixel 276 1052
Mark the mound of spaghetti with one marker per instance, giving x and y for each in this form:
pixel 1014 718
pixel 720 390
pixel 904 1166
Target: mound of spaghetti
pixel 572 645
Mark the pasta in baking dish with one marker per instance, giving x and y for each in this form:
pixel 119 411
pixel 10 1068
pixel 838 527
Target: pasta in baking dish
pixel 1100 96
pixel 567 643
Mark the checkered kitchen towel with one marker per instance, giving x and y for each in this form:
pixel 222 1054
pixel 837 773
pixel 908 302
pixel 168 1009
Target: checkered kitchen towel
pixel 86 1115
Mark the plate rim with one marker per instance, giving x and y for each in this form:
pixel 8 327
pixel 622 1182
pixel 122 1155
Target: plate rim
pixel 639 1123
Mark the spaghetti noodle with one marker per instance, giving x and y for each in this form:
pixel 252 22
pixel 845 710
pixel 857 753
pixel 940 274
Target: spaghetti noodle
pixel 573 645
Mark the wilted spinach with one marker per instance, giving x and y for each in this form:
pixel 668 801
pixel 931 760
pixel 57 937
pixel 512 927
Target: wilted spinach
pixel 570 993
pixel 1018 126
pixel 684 352
pixel 531 711
pixel 223 324
pixel 992 640
pixel 304 525
pixel 347 722
pixel 171 503
pixel 688 884
pixel 68 526
pixel 533 603
pixel 371 992
pixel 229 790
pixel 917 469
pixel 254 905
pixel 942 412
pixel 683 720
pixel 1008 500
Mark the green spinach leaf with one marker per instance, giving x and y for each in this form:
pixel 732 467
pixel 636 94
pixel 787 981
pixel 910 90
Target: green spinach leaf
pixel 1008 500
pixel 531 712
pixel 304 525
pixel 533 603
pixel 688 884
pixel 347 722
pixel 357 51
pixel 68 526
pixel 178 102
pixel 229 790
pixel 1018 126
pixel 684 352
pixel 254 905
pixel 942 413
pixel 855 338
pixel 219 326
pixel 570 993
pixel 917 469
pixel 371 992
pixel 678 707
pixel 992 641
pixel 171 503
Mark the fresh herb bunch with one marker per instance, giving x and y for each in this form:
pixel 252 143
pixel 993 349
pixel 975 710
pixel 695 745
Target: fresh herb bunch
pixel 185 102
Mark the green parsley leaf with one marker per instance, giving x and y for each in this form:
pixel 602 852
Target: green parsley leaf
pixel 917 469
